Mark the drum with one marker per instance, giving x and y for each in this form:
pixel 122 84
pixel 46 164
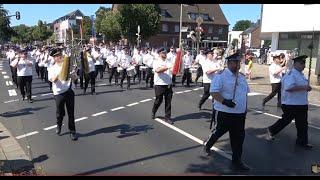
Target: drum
pixel 131 71
pixel 119 69
pixel 193 70
pixel 143 68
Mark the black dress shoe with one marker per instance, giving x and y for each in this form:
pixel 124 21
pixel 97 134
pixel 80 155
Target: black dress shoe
pixel 199 107
pixel 206 150
pixel 270 137
pixel 153 116
pixel 30 100
pixel 58 130
pixel 305 146
pixel 73 136
pixel 239 165
pixel 23 98
pixel 168 120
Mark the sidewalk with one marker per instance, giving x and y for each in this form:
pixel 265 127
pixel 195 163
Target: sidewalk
pixel 13 160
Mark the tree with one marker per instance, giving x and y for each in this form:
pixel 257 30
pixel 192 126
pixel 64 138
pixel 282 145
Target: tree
pixel 100 16
pixel 23 34
pixel 242 25
pixel 41 32
pixel 110 26
pixel 5 29
pixel 145 15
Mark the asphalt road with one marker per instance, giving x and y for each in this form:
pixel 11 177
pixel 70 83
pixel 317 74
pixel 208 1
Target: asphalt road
pixel 118 137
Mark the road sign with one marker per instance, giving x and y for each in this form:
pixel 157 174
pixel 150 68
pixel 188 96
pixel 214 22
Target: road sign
pixel 184 29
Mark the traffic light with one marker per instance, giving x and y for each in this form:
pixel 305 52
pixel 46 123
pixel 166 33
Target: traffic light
pixel 17 15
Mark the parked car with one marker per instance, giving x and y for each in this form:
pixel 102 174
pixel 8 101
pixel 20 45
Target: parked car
pixel 256 52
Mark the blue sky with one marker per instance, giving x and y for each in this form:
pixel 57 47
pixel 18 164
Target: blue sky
pixel 31 13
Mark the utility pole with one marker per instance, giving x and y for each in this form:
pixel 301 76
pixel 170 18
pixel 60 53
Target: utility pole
pixel 199 22
pixel 180 34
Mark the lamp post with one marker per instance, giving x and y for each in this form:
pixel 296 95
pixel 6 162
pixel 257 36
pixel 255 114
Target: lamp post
pixel 180 34
pixel 199 21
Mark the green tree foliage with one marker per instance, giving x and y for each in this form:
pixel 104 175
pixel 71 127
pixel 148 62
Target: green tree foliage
pixel 23 34
pixel 41 32
pixel 242 25
pixel 110 26
pixel 100 16
pixel 145 15
pixel 5 29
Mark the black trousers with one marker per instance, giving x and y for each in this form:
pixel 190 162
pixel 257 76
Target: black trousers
pixel 234 123
pixel 199 74
pixel 114 73
pixel 124 75
pixel 65 99
pixel 99 69
pixel 290 112
pixel 276 89
pixel 25 85
pixel 186 75
pixel 37 68
pixel 149 76
pixel 42 72
pixel 14 75
pixel 206 93
pixel 173 80
pixel 91 76
pixel 144 75
pixel 105 65
pixel 166 92
pixel 81 77
pixel 46 74
pixel 137 67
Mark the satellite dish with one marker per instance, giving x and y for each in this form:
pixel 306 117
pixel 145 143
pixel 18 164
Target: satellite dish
pixel 138 28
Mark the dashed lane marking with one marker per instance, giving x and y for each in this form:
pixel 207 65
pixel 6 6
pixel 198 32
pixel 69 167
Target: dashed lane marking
pixel 132 104
pixel 46 94
pixel 179 92
pixel 118 108
pixel 4 72
pixel 6 77
pixel 26 135
pixel 146 100
pixel 221 152
pixel 12 92
pixel 14 100
pixel 50 127
pixel 80 119
pixel 99 113
pixel 187 91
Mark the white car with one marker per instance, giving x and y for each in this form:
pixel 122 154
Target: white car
pixel 256 52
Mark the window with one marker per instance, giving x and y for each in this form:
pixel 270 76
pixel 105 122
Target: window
pixel 163 12
pixel 306 36
pixel 205 17
pixel 220 30
pixel 165 27
pixel 176 28
pixel 284 36
pixel 210 30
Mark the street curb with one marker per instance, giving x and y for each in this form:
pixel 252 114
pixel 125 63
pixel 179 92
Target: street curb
pixel 13 158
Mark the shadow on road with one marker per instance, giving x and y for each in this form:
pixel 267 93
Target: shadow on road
pixel 21 112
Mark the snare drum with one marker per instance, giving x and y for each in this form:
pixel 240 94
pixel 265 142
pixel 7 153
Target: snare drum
pixel 119 69
pixel 143 68
pixel 131 71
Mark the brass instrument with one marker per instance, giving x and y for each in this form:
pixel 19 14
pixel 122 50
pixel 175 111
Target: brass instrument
pixel 85 62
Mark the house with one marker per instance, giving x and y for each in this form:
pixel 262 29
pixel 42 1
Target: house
pixel 251 36
pixel 235 36
pixel 295 27
pixel 215 26
pixel 61 25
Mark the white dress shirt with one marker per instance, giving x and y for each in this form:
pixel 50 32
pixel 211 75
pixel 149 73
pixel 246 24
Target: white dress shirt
pixel 208 65
pixel 223 83
pixel 164 78
pixel 187 61
pixel 148 60
pixel 291 79
pixel 58 87
pixel 137 59
pixel 23 69
pixel 125 61
pixel 275 78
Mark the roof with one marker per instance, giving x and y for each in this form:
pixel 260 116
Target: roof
pixel 72 14
pixel 213 10
pixel 252 28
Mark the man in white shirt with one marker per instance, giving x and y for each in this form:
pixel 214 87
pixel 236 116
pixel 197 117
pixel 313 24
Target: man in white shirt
pixel 294 101
pixel 148 60
pixel 163 84
pixel 229 89
pixel 187 62
pixel 89 72
pixel 24 73
pixel 41 63
pixel 200 60
pixel 125 62
pixel 137 62
pixel 11 55
pixel 171 56
pixel 112 61
pixel 97 55
pixel 275 73
pixel 63 93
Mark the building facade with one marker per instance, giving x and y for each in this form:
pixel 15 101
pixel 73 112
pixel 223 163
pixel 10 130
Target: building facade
pixel 215 26
pixel 235 36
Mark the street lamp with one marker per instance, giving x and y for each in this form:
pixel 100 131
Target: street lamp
pixel 180 34
pixel 199 21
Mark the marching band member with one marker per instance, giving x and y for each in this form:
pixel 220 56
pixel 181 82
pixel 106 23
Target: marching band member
pixel 294 101
pixel 210 67
pixel 137 61
pixel 200 58
pixel 148 60
pixel 63 93
pixel 11 55
pixel 41 63
pixel 125 61
pixel 89 71
pixel 163 84
pixel 229 89
pixel 187 62
pixel 97 55
pixel 24 73
pixel 37 58
pixel 171 56
pixel 112 61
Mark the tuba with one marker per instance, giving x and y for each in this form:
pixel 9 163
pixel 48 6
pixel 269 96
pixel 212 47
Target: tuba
pixel 70 64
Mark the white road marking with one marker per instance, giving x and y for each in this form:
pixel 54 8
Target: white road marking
pixel 26 135
pixel 253 93
pixel 132 104
pixel 179 92
pixel 193 138
pixel 12 92
pixel 118 108
pixel 99 113
pixel 146 100
pixel 102 84
pixel 50 127
pixel 11 101
pixel 314 104
pixel 7 83
pixel 46 94
pixel 33 96
pixel 187 91
pixel 6 77
pixel 10 83
pixel 4 72
pixel 80 119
